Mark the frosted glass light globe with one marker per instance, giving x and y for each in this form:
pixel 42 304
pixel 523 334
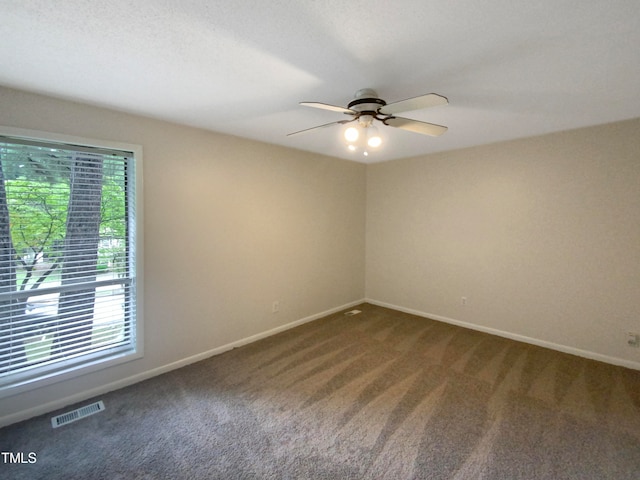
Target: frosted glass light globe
pixel 351 134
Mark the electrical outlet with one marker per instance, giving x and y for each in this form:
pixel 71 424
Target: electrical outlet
pixel 633 339
pixel 275 307
pixel 463 300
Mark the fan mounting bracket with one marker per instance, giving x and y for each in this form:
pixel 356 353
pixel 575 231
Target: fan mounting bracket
pixel 371 115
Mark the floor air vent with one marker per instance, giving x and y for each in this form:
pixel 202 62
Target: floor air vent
pixel 353 312
pixel 77 414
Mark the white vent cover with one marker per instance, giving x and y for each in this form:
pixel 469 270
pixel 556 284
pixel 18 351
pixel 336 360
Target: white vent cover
pixel 353 312
pixel 77 414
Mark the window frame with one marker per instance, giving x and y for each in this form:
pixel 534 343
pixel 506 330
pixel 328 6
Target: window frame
pixel 95 361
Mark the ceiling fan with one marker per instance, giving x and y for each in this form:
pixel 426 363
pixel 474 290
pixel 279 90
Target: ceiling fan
pixel 367 106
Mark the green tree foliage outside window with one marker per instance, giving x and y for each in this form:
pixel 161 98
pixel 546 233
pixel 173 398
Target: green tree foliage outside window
pixel 38 216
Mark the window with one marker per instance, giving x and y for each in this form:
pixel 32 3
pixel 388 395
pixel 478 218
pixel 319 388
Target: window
pixel 69 275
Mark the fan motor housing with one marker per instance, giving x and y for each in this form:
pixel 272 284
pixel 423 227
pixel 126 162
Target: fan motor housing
pixel 366 100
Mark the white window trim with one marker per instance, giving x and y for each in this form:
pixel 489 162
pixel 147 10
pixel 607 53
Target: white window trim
pixel 98 364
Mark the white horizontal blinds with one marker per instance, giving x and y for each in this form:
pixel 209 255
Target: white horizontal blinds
pixel 66 280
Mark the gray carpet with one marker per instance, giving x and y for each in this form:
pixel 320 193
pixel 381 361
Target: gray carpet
pixel 380 395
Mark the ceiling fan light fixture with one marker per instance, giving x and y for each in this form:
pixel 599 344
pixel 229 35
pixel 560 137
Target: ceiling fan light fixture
pixel 366 107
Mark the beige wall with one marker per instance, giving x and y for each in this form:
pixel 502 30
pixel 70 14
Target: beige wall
pixel 541 235
pixel 230 226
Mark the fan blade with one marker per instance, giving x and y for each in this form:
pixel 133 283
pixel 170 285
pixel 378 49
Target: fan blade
pixel 341 122
pixel 416 126
pixel 415 103
pixel 326 106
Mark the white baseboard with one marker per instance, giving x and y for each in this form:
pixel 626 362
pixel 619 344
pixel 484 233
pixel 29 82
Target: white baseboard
pixel 514 336
pixel 79 397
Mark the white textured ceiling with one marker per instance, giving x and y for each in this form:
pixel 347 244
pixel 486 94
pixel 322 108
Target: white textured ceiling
pixel 509 68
